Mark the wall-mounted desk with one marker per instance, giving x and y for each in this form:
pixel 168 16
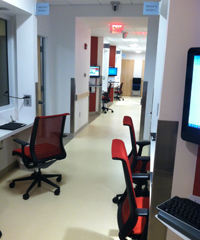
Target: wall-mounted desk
pixel 8 133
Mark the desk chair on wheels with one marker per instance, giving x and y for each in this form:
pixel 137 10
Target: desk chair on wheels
pixel 44 149
pixel 139 164
pixel 106 99
pixel 118 92
pixel 133 212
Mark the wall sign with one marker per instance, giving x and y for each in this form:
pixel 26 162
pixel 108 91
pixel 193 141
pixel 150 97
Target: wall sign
pixel 116 28
pixel 151 8
pixel 42 9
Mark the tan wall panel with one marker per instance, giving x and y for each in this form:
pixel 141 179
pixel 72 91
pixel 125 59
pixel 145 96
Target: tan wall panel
pixel 127 76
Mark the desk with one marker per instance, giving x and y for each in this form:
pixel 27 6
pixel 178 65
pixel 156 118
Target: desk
pixel 8 133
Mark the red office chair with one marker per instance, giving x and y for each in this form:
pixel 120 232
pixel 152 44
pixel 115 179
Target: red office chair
pixel 44 149
pixel 105 99
pixel 139 164
pixel 133 211
pixel 118 92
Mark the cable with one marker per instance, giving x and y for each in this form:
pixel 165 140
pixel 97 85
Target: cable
pixel 6 95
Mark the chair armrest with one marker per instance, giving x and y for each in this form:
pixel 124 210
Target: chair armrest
pixel 141 176
pixel 144 158
pixel 142 212
pixel 21 142
pixel 141 144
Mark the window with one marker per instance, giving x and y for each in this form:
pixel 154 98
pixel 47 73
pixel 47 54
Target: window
pixel 4 86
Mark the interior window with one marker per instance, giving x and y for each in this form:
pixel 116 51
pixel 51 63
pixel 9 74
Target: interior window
pixel 4 99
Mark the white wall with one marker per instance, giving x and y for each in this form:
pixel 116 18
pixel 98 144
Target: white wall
pixel 62 46
pixel 132 55
pixel 105 66
pixel 177 44
pixel 160 58
pixel 118 65
pixel 82 60
pixel 138 62
pixel 149 72
pixel 22 71
pixel 99 63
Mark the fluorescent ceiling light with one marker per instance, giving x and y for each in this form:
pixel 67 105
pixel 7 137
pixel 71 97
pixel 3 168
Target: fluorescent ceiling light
pixel 130 39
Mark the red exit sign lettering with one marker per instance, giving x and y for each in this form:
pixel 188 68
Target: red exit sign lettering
pixel 116 28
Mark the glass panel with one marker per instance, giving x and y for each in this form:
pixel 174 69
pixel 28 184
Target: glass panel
pixel 4 100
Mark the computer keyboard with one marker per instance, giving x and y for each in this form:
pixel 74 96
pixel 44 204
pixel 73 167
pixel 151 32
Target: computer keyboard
pixel 183 215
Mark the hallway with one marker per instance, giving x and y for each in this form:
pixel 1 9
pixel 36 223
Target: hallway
pixel 84 209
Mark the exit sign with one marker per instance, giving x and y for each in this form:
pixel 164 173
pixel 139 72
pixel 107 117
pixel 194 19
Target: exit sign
pixel 116 28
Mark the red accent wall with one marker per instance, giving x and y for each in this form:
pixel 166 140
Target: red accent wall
pixel 196 188
pixel 93 61
pixel 94 50
pixel 92 103
pixel 112 56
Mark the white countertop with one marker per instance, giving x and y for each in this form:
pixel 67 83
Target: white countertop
pixel 8 133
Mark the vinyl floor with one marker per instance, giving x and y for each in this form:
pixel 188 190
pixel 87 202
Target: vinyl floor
pixel 90 179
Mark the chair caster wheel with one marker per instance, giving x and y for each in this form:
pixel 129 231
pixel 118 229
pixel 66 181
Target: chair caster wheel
pixel 58 179
pixel 0 234
pixel 105 112
pixel 112 111
pixel 26 196
pixel 57 191
pixel 115 200
pixel 12 185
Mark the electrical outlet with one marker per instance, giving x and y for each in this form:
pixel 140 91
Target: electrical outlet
pixel 27 100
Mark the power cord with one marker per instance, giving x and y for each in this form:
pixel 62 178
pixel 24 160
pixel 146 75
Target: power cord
pixel 6 95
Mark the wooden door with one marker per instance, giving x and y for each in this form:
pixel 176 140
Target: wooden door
pixel 127 76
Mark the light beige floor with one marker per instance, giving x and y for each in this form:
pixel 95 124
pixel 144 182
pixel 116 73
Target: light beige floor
pixel 84 208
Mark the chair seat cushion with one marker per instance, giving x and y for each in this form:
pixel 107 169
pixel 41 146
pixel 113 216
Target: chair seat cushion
pixel 43 151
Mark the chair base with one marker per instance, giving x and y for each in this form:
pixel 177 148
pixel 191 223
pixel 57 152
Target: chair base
pixel 119 98
pixel 106 109
pixel 37 178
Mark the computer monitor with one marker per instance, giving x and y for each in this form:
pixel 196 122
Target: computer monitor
pixel 112 72
pixel 191 107
pixel 94 71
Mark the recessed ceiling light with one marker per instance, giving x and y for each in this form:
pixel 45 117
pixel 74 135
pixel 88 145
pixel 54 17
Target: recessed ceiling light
pixel 134 45
pixel 138 51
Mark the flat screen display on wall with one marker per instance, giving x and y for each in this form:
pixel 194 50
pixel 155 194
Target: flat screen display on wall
pixel 191 107
pixel 94 71
pixel 112 72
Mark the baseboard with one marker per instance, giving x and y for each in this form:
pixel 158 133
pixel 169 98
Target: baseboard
pixel 8 169
pixel 93 113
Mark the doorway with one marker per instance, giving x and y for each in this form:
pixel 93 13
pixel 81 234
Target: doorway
pixel 40 85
